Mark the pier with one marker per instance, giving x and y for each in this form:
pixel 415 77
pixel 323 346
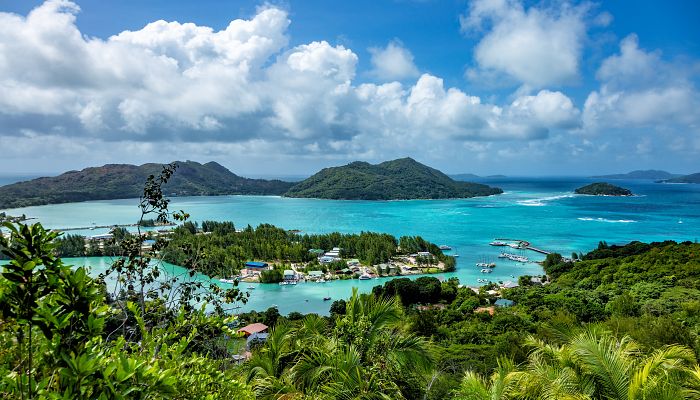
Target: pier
pixel 535 249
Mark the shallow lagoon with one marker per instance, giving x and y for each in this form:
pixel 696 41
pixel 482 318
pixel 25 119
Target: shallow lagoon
pixel 543 211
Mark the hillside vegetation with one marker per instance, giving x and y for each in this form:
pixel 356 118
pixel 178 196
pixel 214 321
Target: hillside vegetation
pixel 399 179
pixel 603 189
pixel 123 181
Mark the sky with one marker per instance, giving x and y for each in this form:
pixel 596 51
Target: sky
pixel 285 88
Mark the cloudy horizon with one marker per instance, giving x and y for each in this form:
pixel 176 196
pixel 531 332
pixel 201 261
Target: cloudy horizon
pixel 561 88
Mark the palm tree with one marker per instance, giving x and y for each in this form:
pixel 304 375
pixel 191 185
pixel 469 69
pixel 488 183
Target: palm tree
pixel 591 365
pixel 363 357
pixel 498 387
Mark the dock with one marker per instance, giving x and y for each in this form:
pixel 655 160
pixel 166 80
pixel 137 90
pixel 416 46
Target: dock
pixel 535 249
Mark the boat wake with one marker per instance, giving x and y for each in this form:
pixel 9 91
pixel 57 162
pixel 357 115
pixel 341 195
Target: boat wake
pixel 614 221
pixel 543 200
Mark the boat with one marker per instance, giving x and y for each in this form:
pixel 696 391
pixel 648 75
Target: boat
pixel 326 298
pixel 498 243
pixel 227 280
pixel 365 277
pixel 284 283
pixel 321 280
pixel 513 245
pixel 251 288
pixel 444 247
pixel 486 270
pixel 455 255
pixel 503 255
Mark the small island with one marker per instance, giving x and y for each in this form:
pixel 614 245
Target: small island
pixel 603 189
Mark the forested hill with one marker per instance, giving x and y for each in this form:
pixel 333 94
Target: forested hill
pixel 692 178
pixel 640 174
pixel 402 179
pixel 121 181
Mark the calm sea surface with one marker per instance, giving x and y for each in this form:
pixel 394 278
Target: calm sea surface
pixel 543 211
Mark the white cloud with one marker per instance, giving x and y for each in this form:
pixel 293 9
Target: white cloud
pixel 240 89
pixel 393 62
pixel 640 89
pixel 535 46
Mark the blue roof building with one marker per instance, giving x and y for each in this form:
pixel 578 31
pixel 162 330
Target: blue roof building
pixel 256 339
pixel 256 264
pixel 504 303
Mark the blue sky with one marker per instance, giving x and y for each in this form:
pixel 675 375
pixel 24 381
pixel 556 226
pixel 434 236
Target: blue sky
pixel 486 86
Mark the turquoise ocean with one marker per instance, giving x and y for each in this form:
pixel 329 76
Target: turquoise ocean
pixel 543 211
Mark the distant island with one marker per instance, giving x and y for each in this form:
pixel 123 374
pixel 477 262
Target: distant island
pixel 603 189
pixel 692 178
pixel 400 179
pixel 651 174
pixel 470 177
pixel 124 181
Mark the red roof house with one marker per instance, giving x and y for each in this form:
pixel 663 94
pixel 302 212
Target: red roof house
pixel 253 328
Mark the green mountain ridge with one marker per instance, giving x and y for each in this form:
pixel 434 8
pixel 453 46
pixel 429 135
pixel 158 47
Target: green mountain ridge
pixel 123 181
pixel 400 179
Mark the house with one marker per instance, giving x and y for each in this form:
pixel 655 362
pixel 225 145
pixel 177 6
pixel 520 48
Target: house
pixel 256 339
pixel 504 303
pixel 352 262
pixel 536 280
pixel 256 264
pixel 289 275
pixel 253 328
pixel 424 254
pixel 318 252
pixel 326 259
pixel 315 275
pixel 509 285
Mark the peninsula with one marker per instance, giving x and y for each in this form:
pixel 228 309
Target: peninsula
pixel 603 189
pixel 651 174
pixel 692 178
pixel 400 179
pixel 124 181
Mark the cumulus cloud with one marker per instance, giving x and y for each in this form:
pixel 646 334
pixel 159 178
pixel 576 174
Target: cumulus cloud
pixel 393 62
pixel 533 46
pixel 240 88
pixel 641 89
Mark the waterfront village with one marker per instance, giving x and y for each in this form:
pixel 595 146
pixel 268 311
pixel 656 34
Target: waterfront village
pixel 329 263
pixel 421 262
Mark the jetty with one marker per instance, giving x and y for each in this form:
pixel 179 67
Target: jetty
pixel 92 227
pixel 535 249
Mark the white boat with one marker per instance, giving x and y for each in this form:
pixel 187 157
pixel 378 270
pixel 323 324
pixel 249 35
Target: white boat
pixel 365 277
pixel 445 247
pixel 226 280
pixel 321 280
pixel 455 255
pixel 486 270
pixel 513 245
pixel 498 243
pixel 482 264
pixel 251 288
pixel 283 283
